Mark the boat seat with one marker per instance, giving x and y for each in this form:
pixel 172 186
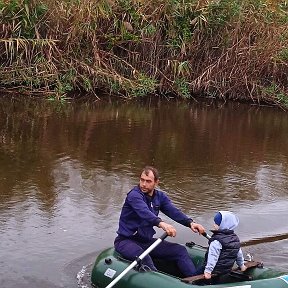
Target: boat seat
pixel 235 273
pixel 240 276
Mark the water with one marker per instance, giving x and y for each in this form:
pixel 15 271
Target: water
pixel 65 171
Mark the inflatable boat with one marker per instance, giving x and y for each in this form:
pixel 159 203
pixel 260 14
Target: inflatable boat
pixel 111 270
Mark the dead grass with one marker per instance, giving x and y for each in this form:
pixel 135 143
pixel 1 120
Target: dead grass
pixel 220 48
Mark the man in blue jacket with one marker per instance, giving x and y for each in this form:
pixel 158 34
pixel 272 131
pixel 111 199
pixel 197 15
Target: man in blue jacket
pixel 138 217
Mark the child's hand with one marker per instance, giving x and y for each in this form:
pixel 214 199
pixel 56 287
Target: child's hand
pixel 243 268
pixel 207 275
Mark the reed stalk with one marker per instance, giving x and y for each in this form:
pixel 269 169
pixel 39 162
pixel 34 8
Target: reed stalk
pixel 228 49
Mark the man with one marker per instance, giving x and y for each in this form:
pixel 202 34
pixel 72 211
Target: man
pixel 138 217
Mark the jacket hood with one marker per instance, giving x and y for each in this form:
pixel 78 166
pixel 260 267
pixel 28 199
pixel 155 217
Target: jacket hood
pixel 229 220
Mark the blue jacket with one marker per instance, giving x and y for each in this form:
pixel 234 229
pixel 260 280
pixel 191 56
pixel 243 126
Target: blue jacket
pixel 140 213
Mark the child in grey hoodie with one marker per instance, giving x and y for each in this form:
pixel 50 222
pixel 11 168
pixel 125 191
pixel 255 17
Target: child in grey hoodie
pixel 224 246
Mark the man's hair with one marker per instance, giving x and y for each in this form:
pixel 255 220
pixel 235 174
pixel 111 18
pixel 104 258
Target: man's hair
pixel 155 172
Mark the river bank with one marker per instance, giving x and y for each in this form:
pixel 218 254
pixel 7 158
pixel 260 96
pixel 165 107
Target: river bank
pixel 217 49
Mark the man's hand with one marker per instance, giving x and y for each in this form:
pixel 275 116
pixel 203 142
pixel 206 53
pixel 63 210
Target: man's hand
pixel 169 229
pixel 197 228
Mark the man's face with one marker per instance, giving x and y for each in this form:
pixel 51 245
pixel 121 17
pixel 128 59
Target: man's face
pixel 147 183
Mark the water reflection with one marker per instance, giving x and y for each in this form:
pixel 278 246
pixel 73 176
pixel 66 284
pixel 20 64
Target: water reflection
pixel 65 171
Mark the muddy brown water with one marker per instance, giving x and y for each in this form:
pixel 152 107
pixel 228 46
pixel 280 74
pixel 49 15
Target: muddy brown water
pixel 65 170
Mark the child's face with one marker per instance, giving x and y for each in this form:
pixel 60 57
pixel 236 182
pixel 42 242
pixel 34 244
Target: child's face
pixel 216 227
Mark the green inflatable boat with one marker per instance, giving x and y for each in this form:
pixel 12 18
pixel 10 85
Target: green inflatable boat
pixel 111 270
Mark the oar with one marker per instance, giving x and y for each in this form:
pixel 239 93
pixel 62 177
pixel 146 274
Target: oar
pixel 257 240
pixel 206 235
pixel 139 258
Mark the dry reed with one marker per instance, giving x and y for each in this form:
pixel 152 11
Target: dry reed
pixel 227 49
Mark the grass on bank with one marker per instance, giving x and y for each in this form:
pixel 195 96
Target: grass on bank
pixel 228 49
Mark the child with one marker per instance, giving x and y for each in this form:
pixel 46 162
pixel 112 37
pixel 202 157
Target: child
pixel 224 246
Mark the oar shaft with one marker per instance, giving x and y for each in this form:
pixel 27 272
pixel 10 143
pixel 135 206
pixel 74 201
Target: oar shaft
pixel 135 262
pixel 206 235
pixel 123 273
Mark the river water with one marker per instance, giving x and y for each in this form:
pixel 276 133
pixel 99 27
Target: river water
pixel 65 170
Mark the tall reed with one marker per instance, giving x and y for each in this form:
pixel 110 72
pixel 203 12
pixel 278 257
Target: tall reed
pixel 229 49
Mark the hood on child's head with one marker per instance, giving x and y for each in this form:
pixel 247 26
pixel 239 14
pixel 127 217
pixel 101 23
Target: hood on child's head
pixel 229 220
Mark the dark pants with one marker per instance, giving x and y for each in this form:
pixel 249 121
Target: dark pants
pixel 130 249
